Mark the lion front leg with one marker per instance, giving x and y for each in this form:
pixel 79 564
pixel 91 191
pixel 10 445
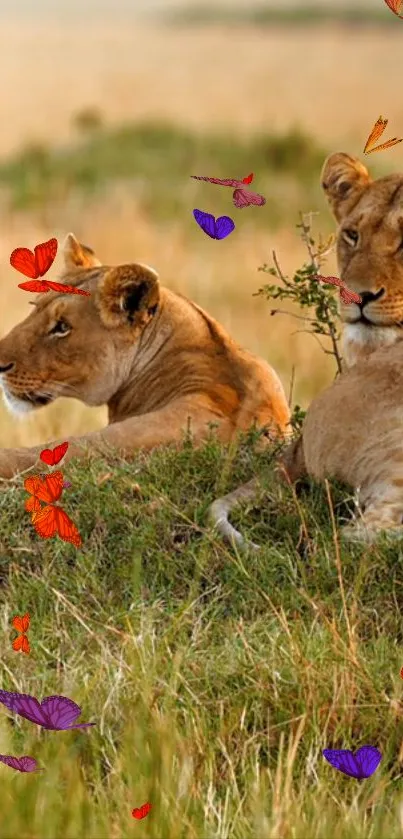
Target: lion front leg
pixel 15 461
pixel 168 425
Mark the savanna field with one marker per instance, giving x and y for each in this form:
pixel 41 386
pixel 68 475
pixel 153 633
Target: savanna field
pixel 215 679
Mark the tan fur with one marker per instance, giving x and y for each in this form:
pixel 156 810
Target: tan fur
pixel 158 361
pixel 353 431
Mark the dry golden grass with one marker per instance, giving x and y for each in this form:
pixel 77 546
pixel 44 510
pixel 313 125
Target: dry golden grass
pixel 332 82
pixel 204 79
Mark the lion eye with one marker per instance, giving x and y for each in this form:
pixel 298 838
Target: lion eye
pixel 350 236
pixel 61 327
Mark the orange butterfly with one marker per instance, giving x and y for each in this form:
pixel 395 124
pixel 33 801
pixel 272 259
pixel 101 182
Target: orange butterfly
pixel 22 626
pixel 395 6
pixel 375 134
pixel 34 264
pixel 49 520
pixel 49 285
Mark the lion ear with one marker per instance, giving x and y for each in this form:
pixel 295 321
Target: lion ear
pixel 77 255
pixel 343 180
pixel 128 296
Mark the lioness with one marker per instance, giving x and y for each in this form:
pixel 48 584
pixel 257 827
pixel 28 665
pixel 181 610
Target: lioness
pixel 156 359
pixel 353 431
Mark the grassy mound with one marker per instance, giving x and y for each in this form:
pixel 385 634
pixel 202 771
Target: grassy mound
pixel 215 680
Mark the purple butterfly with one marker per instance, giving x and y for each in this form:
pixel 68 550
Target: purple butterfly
pixel 360 765
pixel 215 228
pixel 23 764
pixel 55 712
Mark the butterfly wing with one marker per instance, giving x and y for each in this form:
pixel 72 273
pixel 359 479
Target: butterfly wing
pixel 51 520
pixel 377 131
pixel 17 643
pixel 207 222
pixel 61 712
pixel 368 759
pixel 44 522
pixel 343 760
pixel 29 764
pixel 349 296
pixel 243 198
pixel 53 456
pixel 52 487
pixel 32 504
pixel 23 764
pixel 45 254
pixel 386 145
pixel 32 485
pixel 395 6
pixel 141 812
pixel 255 199
pixel 21 624
pixel 23 260
pixel 67 529
pixel 25 648
pixel 48 489
pixel 24 705
pixel 66 289
pixel 36 286
pixel 240 198
pixel 330 281
pixel 21 643
pixel 224 226
pixel 221 181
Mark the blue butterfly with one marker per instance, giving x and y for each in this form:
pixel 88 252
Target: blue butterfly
pixel 361 764
pixel 215 228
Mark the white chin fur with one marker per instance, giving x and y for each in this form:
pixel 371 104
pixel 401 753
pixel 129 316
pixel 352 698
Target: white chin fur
pixel 16 406
pixel 360 340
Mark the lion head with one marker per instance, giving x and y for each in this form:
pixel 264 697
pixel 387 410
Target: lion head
pixel 369 252
pixel 45 356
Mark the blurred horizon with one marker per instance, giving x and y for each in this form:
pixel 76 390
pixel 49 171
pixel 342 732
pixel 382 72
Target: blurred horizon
pixel 64 10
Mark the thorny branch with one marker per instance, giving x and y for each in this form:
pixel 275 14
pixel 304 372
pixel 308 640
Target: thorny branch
pixel 306 291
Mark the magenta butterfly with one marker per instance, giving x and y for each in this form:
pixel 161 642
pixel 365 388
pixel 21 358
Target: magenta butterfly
pixel 56 713
pixel 241 197
pixel 23 764
pixel 346 294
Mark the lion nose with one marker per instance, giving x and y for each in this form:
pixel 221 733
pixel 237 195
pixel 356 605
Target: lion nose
pixel 370 296
pixel 7 367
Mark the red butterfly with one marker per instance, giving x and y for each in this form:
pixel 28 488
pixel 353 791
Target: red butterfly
pixel 49 520
pixel 21 624
pixel 346 294
pixel 34 264
pixel 141 812
pixel 49 285
pixel 241 197
pixel 53 456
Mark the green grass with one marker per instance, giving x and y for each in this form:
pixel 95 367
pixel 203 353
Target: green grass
pixel 299 15
pixel 155 161
pixel 215 680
